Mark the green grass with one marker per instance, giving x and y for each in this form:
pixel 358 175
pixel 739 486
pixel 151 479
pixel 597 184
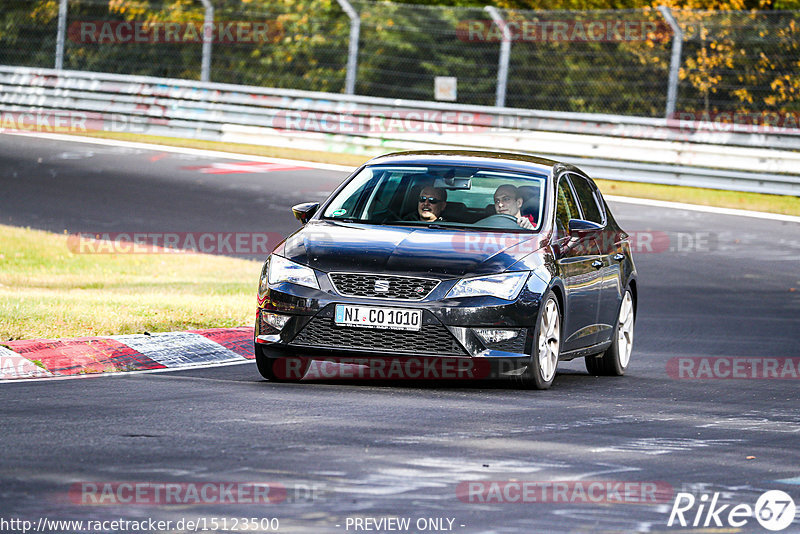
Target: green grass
pixel 785 205
pixel 317 156
pixel 47 291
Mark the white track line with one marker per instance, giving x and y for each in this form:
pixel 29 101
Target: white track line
pixel 344 168
pixel 185 150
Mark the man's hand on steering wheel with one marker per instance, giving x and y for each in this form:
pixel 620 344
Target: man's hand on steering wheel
pixel 524 222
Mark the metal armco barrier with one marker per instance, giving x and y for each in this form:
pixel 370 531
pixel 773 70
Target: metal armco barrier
pixel 607 146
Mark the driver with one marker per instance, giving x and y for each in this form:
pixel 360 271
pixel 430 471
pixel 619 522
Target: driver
pixel 431 204
pixel 508 201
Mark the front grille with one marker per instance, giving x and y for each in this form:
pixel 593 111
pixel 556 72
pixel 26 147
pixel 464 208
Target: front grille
pixel 396 287
pixel 431 340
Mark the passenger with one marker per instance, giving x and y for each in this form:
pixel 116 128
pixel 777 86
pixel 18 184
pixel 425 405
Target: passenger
pixel 431 204
pixel 508 201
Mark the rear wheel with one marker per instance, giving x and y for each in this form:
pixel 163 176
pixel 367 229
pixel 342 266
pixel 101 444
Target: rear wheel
pixel 541 369
pixel 614 361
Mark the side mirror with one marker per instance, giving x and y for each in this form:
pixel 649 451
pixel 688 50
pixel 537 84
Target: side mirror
pixel 303 212
pixel 578 227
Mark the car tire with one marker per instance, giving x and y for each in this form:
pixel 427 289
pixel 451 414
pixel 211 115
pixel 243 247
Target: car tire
pixel 614 361
pixel 266 367
pixel 541 370
pixel 264 364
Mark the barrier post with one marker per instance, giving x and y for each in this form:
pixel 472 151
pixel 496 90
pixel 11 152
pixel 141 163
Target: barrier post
pixel 675 59
pixel 62 34
pixel 505 53
pixel 352 50
pixel 208 37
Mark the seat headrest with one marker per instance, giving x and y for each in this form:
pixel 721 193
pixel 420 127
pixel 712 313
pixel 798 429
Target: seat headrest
pixel 530 200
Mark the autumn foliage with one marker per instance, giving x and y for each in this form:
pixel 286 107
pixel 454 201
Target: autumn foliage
pixel 737 55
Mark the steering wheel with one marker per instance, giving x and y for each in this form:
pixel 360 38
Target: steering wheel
pixel 500 220
pixel 388 214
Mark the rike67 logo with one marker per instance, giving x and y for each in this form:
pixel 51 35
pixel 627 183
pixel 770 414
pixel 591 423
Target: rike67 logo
pixel 774 510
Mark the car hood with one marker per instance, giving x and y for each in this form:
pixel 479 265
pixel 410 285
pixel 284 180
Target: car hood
pixel 442 252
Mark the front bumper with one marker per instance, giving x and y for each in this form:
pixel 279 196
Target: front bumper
pixel 448 325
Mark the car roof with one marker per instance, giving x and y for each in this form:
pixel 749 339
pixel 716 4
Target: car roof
pixel 495 160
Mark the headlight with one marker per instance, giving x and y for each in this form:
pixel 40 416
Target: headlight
pixel 282 270
pixel 505 286
pixel 263 286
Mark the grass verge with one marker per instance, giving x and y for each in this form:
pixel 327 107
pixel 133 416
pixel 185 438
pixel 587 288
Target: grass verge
pixel 785 205
pixel 47 291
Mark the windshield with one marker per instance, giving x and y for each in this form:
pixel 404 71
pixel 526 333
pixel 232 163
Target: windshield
pixel 470 197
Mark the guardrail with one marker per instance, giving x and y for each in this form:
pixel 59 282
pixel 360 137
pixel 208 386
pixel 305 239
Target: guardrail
pixel 611 147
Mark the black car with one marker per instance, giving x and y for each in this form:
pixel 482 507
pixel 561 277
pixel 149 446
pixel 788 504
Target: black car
pixel 498 261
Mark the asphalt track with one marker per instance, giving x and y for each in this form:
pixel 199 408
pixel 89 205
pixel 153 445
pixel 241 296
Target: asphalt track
pixel 723 288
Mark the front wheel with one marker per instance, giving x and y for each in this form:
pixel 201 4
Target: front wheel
pixel 614 361
pixel 541 369
pixel 264 364
pixel 289 369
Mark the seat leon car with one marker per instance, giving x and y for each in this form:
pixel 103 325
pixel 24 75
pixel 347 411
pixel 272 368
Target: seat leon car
pixel 498 261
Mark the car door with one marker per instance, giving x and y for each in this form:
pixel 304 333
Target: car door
pixel 610 271
pixel 579 264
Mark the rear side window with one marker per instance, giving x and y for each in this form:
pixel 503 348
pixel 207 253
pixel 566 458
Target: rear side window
pixel 587 199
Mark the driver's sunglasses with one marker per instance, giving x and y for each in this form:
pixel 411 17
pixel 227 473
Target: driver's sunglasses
pixel 432 200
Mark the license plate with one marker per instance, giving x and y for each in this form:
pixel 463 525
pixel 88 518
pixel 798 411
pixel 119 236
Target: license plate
pixel 378 317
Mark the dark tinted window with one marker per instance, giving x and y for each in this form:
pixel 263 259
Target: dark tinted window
pixel 566 207
pixel 591 211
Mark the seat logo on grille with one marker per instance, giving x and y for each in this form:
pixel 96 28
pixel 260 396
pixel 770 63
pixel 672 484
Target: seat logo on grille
pixel 381 286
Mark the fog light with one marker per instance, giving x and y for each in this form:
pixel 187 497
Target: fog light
pixel 271 322
pixel 490 336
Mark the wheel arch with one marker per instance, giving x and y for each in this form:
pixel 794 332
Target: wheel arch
pixel 635 294
pixel 558 290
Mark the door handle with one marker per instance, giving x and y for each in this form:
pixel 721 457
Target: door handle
pixel 597 264
pixel 619 256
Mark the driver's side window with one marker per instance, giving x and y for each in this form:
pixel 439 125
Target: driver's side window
pixel 566 208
